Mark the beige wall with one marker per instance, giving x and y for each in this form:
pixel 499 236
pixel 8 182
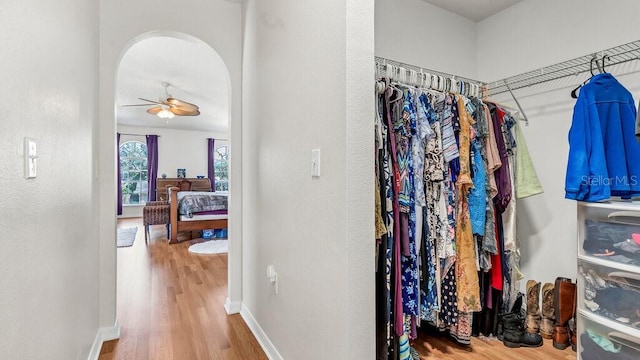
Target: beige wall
pixel 49 251
pixel 547 226
pixel 418 33
pixel 308 66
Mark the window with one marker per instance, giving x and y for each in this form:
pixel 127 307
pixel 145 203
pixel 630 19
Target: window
pixel 133 172
pixel 221 166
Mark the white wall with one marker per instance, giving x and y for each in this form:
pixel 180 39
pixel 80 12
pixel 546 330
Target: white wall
pixel 217 23
pixel 530 35
pixel 177 149
pixel 421 34
pixel 536 33
pixel 317 232
pixel 49 253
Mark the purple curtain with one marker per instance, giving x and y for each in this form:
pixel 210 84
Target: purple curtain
pixel 212 171
pixel 119 176
pixel 152 166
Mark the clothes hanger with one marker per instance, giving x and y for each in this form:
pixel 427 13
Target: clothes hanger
pixel 396 90
pixel 574 92
pixel 391 72
pixel 605 57
pixel 380 86
pixel 427 80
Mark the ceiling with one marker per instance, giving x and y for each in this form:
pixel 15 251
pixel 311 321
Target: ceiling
pixel 476 10
pixel 196 74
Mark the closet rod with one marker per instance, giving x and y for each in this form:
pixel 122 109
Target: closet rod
pixel 616 55
pixel 381 62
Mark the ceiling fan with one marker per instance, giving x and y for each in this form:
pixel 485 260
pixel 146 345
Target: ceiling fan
pixel 167 106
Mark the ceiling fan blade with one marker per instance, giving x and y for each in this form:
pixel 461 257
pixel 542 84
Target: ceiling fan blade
pixel 151 101
pixel 182 112
pixel 154 110
pixel 182 104
pixel 135 105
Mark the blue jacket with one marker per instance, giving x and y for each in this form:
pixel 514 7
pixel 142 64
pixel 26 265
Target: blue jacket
pixel 604 156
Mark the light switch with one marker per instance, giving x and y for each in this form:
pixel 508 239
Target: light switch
pixel 315 162
pixel 30 158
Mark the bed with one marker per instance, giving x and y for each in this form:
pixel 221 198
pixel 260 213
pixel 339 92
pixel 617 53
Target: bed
pixel 193 210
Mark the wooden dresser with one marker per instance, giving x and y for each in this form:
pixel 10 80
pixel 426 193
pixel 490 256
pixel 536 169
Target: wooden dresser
pixel 196 185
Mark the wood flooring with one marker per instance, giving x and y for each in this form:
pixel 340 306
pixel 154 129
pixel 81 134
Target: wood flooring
pixel 170 307
pixel 170 304
pixel 434 346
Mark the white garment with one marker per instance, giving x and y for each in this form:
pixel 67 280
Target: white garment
pixel 509 215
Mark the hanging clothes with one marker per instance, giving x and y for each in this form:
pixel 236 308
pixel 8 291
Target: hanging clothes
pixel 478 194
pixel 391 111
pixel 603 150
pixel 466 271
pixel 527 183
pixel 444 190
pixel 638 125
pixel 509 214
pixel 501 200
pixel 383 248
pixel 493 155
pixel 405 127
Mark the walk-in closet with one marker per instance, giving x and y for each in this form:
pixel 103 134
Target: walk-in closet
pixel 507 181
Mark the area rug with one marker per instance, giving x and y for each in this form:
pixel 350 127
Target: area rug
pixel 126 236
pixel 210 247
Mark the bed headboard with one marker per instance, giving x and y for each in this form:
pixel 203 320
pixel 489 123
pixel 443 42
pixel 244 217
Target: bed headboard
pixel 196 185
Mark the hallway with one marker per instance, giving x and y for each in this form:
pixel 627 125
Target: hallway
pixel 170 304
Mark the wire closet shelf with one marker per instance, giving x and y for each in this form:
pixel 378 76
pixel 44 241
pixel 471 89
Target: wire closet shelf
pixel 579 66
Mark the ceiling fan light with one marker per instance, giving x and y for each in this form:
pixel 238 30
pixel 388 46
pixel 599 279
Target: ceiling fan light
pixel 165 114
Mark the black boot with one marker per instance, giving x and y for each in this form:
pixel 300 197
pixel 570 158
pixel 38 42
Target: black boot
pixel 500 327
pixel 516 309
pixel 514 335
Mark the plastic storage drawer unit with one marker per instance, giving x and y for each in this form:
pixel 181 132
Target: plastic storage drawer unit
pixel 610 233
pixel 600 340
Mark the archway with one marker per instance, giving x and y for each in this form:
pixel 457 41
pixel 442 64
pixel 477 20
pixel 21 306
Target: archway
pixel 196 73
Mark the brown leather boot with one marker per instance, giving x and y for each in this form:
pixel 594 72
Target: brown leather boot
pixel 548 312
pixel 564 300
pixel 532 320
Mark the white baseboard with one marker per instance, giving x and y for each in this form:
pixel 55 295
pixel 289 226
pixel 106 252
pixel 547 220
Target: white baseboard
pixel 104 334
pixel 264 341
pixel 232 307
pixel 111 332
